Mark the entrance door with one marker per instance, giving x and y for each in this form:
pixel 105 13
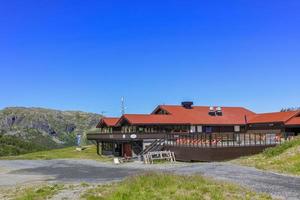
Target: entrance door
pixel 118 150
pixel 127 151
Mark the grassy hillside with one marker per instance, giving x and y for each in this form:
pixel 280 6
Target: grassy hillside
pixel 64 153
pixel 284 158
pixel 42 128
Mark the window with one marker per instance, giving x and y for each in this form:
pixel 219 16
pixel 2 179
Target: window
pixel 134 129
pixel 208 129
pixel 193 129
pixel 237 128
pixel 199 129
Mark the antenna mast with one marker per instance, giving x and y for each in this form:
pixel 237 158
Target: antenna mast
pixel 122 106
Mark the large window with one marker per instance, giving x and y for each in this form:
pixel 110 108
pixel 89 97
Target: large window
pixel 208 129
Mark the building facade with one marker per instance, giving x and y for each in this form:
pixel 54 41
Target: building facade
pixel 195 131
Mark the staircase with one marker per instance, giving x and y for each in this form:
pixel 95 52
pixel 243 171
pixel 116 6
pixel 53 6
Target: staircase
pixel 136 147
pixel 156 145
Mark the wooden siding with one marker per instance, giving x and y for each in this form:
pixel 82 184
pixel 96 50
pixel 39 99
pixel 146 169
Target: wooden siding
pixel 213 154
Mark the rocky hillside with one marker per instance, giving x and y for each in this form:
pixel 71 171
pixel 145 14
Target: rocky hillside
pixel 45 127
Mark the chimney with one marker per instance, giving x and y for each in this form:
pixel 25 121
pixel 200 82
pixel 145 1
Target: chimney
pixel 187 104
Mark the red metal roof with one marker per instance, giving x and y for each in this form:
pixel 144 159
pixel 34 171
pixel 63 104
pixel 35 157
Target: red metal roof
pixel 196 115
pixel 152 119
pixel 200 115
pixel 108 121
pixel 272 117
pixel 294 121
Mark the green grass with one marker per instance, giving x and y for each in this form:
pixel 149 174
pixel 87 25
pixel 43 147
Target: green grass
pixel 284 158
pixel 35 193
pixel 170 187
pixel 63 153
pixel 272 152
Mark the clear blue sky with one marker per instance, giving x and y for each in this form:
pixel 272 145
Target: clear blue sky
pixel 85 55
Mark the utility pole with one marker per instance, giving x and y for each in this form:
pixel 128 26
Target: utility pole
pixel 103 112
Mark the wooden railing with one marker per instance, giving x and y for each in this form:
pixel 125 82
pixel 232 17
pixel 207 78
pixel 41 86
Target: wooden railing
pixel 215 140
pixel 124 136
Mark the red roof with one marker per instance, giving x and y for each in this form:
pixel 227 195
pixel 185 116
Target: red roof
pixel 196 115
pixel 199 115
pixel 294 121
pixel 108 121
pixel 152 119
pixel 272 117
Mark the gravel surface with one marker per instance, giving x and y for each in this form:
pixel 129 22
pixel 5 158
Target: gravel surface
pixel 76 171
pixel 73 193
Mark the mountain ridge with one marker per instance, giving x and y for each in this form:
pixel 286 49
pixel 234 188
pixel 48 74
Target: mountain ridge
pixel 46 127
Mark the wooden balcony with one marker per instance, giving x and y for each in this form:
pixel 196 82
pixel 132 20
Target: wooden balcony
pixel 118 136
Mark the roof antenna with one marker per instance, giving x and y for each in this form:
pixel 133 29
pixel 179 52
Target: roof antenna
pixel 122 106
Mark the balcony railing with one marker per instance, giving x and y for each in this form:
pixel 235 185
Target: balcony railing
pixel 202 140
pixel 125 136
pixel 215 140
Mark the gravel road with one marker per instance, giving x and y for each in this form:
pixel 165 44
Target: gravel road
pixel 76 171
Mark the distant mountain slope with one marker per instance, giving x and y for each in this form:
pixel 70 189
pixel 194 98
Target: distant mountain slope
pixel 45 127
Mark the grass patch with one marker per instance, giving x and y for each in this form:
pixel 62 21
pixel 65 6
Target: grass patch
pixel 284 158
pixel 33 192
pixel 161 162
pixel 45 192
pixel 275 151
pixel 170 187
pixel 63 153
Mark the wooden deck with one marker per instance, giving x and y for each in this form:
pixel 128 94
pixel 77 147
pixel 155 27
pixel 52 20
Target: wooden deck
pixel 201 146
pixel 218 147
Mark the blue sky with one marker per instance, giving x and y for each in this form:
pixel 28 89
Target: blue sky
pixel 85 55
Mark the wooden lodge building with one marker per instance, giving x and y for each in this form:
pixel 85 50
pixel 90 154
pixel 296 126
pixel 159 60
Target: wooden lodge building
pixel 195 133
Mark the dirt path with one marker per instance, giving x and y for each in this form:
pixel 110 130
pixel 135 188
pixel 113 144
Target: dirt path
pixel 78 171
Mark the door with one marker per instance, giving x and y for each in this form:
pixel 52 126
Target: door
pixel 127 151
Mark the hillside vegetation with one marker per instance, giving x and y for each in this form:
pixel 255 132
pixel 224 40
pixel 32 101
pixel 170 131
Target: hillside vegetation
pixel 12 145
pixel 24 130
pixel 89 152
pixel 284 158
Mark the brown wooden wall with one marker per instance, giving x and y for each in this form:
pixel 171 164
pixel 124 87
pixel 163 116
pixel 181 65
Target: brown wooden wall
pixel 213 154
